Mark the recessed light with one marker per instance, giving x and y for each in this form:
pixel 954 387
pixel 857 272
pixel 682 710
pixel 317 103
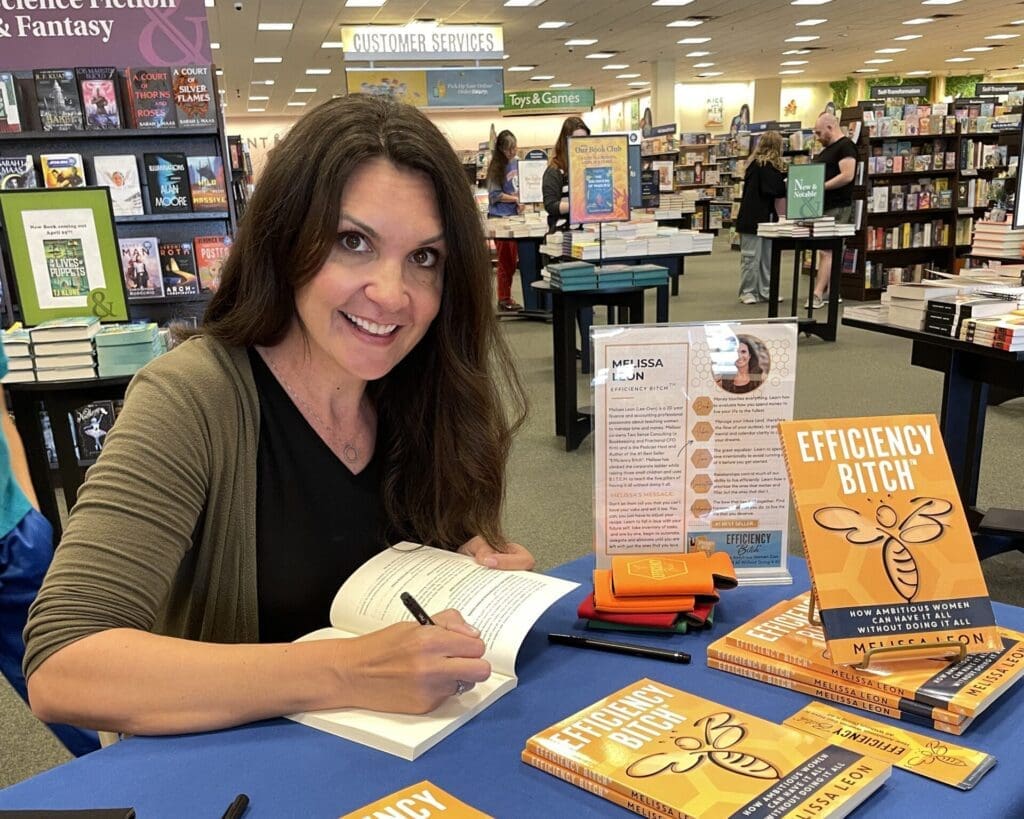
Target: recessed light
pixel 1001 36
pixel 959 59
pixel 792 71
pixel 256 110
pixel 879 61
pixel 809 2
pixel 698 54
pixel 793 62
pixel 580 42
pixel 979 48
pixel 561 85
pixel 693 40
pixel 1017 22
pixel 274 26
pixel 689 22
pixel 796 51
pixel 214 46
pixel 522 3
pixel 262 82
pixel 319 71
pixel 258 99
pixel 626 76
pixel 814 21
pixel 918 73
pixel 703 65
pixel 521 68
pixel 865 71
pixel 938 2
pixel 267 59
pixel 542 77
pixel 208 4
pixel 297 103
pixel 330 44
pixel 803 38
pixel 614 66
pixel 905 37
pixel 710 74
pixel 366 4
pixel 220 73
pixel 505 56
pixel 554 24
pixel 889 50
pixel 918 21
pixel 305 90
pixel 671 2
pixel 600 55
pixel 638 84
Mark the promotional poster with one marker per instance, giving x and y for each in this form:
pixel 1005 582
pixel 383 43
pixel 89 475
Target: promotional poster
pixel 598 179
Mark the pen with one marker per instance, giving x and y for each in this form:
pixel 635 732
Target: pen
pixel 236 808
pixel 576 641
pixel 416 609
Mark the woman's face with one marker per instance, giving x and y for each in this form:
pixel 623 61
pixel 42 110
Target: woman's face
pixel 580 132
pixel 380 288
pixel 510 152
pixel 742 357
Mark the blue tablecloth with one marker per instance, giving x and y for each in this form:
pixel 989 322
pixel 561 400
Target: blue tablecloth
pixel 291 770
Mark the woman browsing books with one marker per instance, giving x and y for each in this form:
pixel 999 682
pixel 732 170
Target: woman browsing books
pixel 348 390
pixel 764 193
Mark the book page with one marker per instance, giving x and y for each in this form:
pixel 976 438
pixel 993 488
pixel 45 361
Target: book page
pixel 503 605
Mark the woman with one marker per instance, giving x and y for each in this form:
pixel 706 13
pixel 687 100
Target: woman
pixel 748 368
pixel 764 192
pixel 346 391
pixel 555 184
pixel 503 200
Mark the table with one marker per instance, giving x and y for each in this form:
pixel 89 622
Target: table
pixel 58 398
pixel 969 371
pixel 566 304
pixel 291 770
pixel 825 329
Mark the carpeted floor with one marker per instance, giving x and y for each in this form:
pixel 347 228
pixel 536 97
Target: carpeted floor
pixel 549 504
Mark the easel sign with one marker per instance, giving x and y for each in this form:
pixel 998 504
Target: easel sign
pixel 598 179
pixel 531 176
pixel 686 445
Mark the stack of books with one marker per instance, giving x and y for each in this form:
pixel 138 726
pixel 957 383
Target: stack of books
pixel 945 314
pixel 1004 332
pixel 18 346
pixel 786 228
pixel 63 348
pixel 613 276
pixel 647 274
pixel 999 239
pixel 572 275
pixel 122 349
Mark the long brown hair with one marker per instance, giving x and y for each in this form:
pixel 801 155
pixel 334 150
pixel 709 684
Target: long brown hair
pixel 558 156
pixel 445 431
pixel 769 151
pixel 498 166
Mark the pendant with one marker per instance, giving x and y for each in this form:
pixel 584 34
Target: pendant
pixel 350 453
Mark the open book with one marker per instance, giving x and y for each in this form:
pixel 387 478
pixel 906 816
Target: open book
pixel 503 605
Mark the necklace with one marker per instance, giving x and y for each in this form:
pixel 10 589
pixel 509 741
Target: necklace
pixel 349 451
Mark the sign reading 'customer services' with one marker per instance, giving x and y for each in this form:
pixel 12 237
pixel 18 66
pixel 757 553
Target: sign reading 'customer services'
pixel 421 41
pixel 529 102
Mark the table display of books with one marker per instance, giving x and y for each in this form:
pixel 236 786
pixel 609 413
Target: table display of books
pixel 591 245
pixel 804 228
pixel 516 227
pixel 18 346
pixel 580 275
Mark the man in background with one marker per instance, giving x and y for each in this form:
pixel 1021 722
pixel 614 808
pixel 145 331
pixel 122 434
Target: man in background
pixel 839 157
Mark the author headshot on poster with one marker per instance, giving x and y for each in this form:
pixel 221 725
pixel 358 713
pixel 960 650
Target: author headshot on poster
pixel 751 366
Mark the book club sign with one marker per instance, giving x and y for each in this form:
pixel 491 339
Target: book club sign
pixel 598 179
pixel 104 32
pixel 687 454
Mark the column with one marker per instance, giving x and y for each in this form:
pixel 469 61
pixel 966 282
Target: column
pixel 767 95
pixel 663 92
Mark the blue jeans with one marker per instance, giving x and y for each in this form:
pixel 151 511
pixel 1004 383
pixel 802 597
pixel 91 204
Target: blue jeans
pixel 25 555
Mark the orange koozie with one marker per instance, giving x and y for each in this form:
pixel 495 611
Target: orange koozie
pixel 665 574
pixel 606 600
pixel 722 571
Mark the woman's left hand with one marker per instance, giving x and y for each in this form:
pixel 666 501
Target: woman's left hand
pixel 514 556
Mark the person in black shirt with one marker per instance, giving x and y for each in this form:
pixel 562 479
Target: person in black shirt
pixel 840 160
pixel 764 183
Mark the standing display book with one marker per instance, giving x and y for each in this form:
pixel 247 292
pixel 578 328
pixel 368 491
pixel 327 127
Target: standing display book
pixel 893 566
pixel 98 87
pixel 119 173
pixel 503 605
pixel 57 98
pixel 684 756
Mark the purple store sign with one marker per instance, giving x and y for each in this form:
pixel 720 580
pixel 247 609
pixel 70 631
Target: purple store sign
pixel 119 33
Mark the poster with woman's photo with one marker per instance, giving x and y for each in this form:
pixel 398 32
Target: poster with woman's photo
pixel 686 447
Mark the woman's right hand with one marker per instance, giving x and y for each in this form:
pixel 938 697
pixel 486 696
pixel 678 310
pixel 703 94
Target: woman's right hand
pixel 411 669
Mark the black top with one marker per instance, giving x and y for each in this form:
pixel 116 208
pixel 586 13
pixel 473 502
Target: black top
pixel 830 156
pixel 316 522
pixel 762 185
pixel 555 187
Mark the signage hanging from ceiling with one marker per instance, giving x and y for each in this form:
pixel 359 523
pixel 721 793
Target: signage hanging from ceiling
pixel 547 102
pixel 422 41
pixel 908 89
pixel 430 87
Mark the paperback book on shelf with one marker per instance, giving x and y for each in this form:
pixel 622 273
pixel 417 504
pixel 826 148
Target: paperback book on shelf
pixel 192 90
pixel 178 266
pixel 73 328
pixel 62 170
pixel 695 757
pixel 98 87
pixel 57 98
pixel 167 182
pixel 206 182
pixel 211 251
pixel 149 94
pixel 92 422
pixel 10 113
pixel 17 172
pixel 891 558
pixel 120 174
pixel 140 262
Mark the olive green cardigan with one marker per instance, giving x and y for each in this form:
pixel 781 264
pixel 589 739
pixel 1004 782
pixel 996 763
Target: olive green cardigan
pixel 163 536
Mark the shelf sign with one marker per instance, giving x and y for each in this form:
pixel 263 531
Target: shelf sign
pixel 430 87
pixel 660 130
pixel 908 89
pixel 805 191
pixel 422 41
pixel 546 102
pixel 760 127
pixel 997 89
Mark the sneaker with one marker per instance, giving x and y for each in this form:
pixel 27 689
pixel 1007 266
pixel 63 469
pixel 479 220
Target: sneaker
pixel 748 298
pixel 818 302
pixel 509 306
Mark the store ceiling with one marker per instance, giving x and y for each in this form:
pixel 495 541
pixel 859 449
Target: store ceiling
pixel 747 41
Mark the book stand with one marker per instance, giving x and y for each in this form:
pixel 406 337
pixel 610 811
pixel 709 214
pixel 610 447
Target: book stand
pixel 955 647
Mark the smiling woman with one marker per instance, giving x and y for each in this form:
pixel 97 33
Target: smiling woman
pixel 348 389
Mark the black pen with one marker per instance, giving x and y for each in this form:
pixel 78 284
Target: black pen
pixel 236 808
pixel 577 641
pixel 416 609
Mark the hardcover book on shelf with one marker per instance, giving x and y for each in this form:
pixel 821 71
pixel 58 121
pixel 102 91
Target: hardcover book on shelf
pixel 167 182
pixel 10 113
pixel 193 96
pixel 695 757
pixel 876 501
pixel 98 87
pixel 210 253
pixel 65 329
pixel 57 98
pixel 62 170
pixel 370 599
pixel 178 265
pixel 120 174
pixel 17 172
pixel 92 422
pixel 206 181
pixel 140 262
pixel 152 103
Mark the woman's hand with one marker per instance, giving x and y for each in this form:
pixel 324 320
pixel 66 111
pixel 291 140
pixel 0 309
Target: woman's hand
pixel 514 556
pixel 411 669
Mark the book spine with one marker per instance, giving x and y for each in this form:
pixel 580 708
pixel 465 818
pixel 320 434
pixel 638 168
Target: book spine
pixel 593 787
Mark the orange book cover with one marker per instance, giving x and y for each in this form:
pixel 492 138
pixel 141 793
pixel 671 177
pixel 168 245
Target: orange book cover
pixel 964 687
pixel 422 799
pixel 891 558
pixel 687 756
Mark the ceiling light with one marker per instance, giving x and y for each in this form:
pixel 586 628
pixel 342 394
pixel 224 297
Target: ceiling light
pixel 938 2
pixel 214 45
pixel 561 85
pixel 689 22
pixel 505 56
pixel 809 2
pixel 323 71
pixel 796 51
pixel 554 24
pixel 209 4
pixel 793 62
pixel 693 40
pixel 542 77
pixel 296 103
pixel 638 84
pixel 262 82
pixel 600 55
pixel 274 26
pixel 522 3
pixel 959 59
pixel 1017 22
pixel 698 54
pixel 256 110
pixel 792 71
pixel 979 48
pixel 919 21
pixel 865 71
pixel 521 68
pixel 814 21
pixel 580 42
pixel 905 37
pixel 305 90
pixel 918 73
pixel 710 74
pixel 1001 36
pixel 614 66
pixel 267 59
pixel 626 76
pixel 671 2
pixel 330 45
pixel 703 65
pixel 258 99
pixel 366 4
pixel 803 38
pixel 889 50
pixel 220 90
pixel 220 73
pixel 879 61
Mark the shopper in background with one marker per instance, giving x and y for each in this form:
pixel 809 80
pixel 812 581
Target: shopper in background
pixel 26 549
pixel 555 184
pixel 764 192
pixel 503 200
pixel 349 388
pixel 840 159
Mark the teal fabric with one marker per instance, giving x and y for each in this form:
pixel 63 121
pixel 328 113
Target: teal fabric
pixel 13 503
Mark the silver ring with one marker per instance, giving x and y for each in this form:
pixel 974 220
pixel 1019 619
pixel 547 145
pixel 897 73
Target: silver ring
pixel 460 688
